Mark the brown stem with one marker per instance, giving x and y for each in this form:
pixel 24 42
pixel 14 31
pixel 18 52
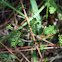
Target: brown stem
pixel 10 52
pixel 22 54
pixel 31 29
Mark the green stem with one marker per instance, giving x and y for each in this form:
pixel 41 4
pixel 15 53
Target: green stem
pixel 13 8
pixel 47 10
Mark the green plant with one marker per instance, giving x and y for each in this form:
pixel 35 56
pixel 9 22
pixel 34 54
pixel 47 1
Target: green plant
pixel 42 48
pixel 15 39
pixel 7 4
pixel 10 35
pixel 50 30
pixel 52 10
pixel 4 56
pixel 34 56
pixel 12 56
pixel 47 9
pixel 30 19
pixel 16 36
pixel 20 7
pixel 10 27
pixel 45 60
pixel 60 39
pixel 38 18
pixel 33 26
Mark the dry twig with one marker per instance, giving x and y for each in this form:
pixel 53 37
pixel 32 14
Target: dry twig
pixel 31 29
pixel 10 52
pixel 22 54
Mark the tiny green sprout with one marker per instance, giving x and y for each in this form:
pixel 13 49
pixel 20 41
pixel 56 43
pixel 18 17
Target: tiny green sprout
pixel 52 10
pixel 42 48
pixel 13 39
pixel 21 44
pixel 60 39
pixel 54 31
pixel 19 7
pixel 12 56
pixel 45 60
pixel 13 44
pixel 9 27
pixel 51 27
pixel 50 30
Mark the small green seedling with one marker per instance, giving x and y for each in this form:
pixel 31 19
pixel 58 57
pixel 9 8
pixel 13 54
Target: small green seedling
pixel 10 27
pixel 20 7
pixel 12 56
pixel 42 48
pixel 50 30
pixel 13 44
pixel 60 39
pixel 52 10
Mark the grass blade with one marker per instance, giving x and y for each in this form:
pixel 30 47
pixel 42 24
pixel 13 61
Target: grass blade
pixel 7 4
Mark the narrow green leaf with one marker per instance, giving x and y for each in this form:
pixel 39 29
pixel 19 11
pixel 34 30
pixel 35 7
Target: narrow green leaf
pixel 7 4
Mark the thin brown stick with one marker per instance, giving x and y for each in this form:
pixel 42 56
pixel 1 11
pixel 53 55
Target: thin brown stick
pixel 31 29
pixel 30 49
pixel 10 52
pixel 19 50
pixel 23 22
pixel 25 47
pixel 39 38
pixel 22 54
pixel 7 21
pixel 40 4
pixel 20 24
